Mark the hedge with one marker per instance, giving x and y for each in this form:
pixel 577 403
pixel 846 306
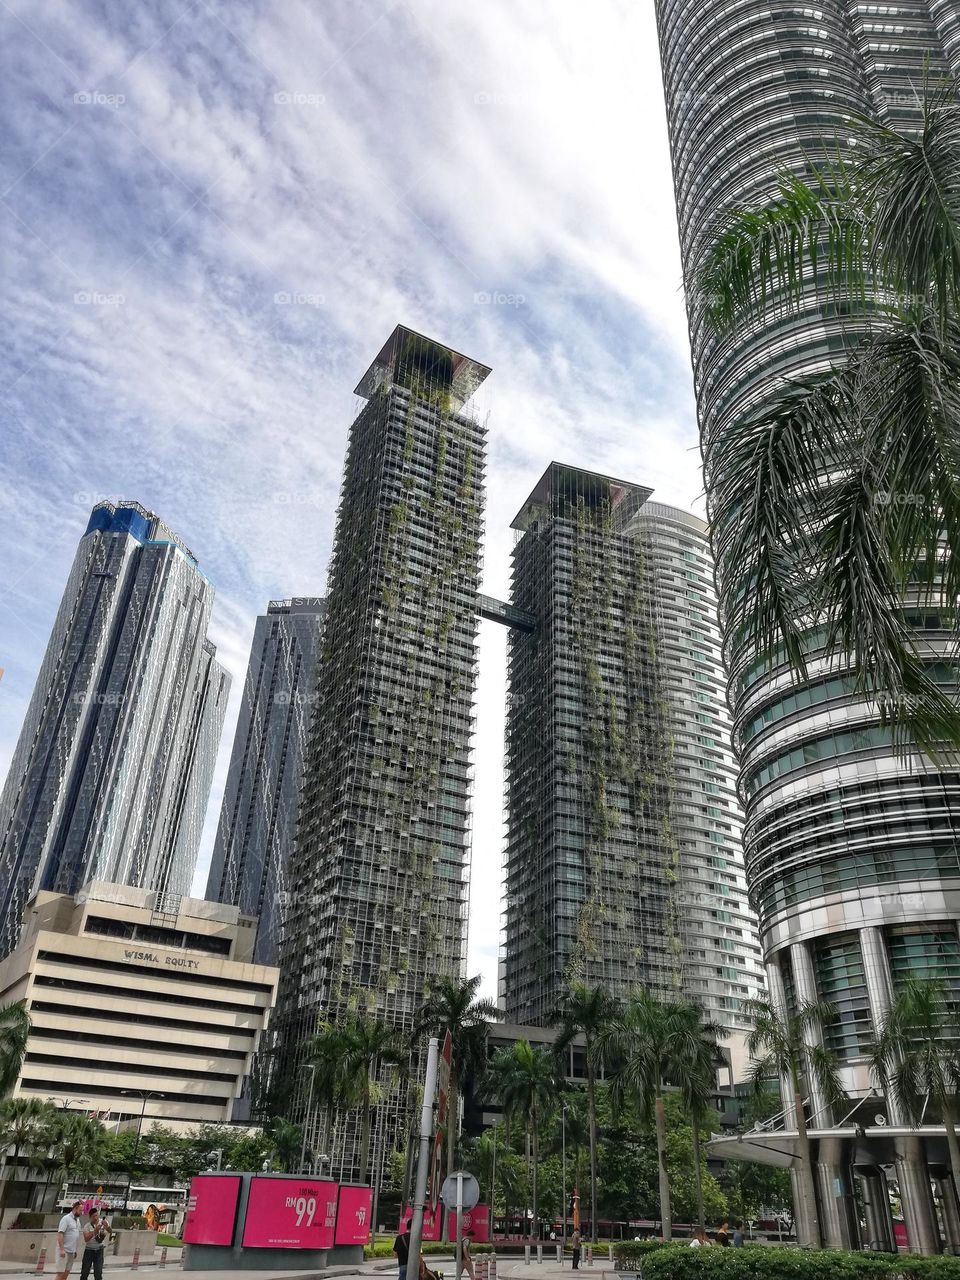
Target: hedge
pixel 765 1262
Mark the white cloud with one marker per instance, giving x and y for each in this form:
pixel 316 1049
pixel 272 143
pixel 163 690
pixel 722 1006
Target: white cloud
pixel 510 147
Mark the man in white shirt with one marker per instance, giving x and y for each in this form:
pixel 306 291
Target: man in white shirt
pixel 68 1239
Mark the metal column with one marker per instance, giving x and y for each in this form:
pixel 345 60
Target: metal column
pixel 948 1205
pixel 913 1175
pixel 878 1232
pixel 838 1211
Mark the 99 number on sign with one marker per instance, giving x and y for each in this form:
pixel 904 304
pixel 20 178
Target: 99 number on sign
pixel 305 1209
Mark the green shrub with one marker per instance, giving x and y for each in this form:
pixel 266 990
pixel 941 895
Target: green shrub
pixel 760 1262
pixel 627 1254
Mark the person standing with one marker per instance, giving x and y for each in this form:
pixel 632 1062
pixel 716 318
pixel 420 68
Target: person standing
pixel 738 1235
pixel 401 1247
pixel 95 1234
pixel 575 1240
pixel 699 1240
pixel 723 1235
pixel 68 1239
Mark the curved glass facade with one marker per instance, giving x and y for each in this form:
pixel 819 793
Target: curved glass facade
pixel 850 847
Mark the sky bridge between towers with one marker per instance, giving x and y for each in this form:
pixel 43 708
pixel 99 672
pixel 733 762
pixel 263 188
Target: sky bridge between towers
pixel 507 615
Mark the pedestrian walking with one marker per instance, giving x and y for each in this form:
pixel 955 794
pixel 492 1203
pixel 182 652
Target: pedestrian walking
pixel 699 1240
pixel 401 1247
pixel 738 1235
pixel 68 1239
pixel 576 1241
pixel 723 1235
pixel 467 1256
pixel 95 1235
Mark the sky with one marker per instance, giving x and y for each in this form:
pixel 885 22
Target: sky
pixel 214 216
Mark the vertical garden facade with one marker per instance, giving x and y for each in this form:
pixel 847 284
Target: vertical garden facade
pixel 592 861
pixel 379 878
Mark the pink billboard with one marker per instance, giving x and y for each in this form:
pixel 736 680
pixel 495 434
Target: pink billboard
pixel 290 1213
pixel 211 1209
pixel 476 1221
pixel 432 1221
pixel 353 1215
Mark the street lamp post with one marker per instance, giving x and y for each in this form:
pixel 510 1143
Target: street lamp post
pixel 306 1119
pixel 136 1093
pixel 493 1187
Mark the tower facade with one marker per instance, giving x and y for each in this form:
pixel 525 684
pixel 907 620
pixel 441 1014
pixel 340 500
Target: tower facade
pixel 379 877
pixel 837 824
pixel 112 771
pixel 722 964
pixel 624 857
pixel 258 818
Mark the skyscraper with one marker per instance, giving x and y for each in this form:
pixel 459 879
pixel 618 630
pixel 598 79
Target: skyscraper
pixel 111 774
pixel 722 966
pixel 836 823
pixel 624 862
pixel 258 818
pixel 379 877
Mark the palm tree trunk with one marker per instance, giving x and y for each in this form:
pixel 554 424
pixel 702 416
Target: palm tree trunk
pixel 7 1182
pixel 698 1175
pixel 452 1116
pixel 365 1131
pixel 807 1181
pixel 660 1116
pixel 592 1121
pixel 949 1123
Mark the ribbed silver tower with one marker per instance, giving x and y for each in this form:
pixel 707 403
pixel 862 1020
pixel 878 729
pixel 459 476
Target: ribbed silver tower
pixel 111 774
pixel 258 818
pixel 722 959
pixel 851 852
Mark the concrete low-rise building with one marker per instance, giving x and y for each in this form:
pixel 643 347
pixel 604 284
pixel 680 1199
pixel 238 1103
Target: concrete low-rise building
pixel 142 1004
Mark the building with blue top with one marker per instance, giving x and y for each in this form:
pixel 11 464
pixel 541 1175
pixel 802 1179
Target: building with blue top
pixel 111 775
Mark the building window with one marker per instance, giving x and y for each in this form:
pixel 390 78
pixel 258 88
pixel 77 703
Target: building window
pixel 842 984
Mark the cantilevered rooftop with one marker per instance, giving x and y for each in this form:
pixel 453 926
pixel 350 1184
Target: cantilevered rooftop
pixel 407 354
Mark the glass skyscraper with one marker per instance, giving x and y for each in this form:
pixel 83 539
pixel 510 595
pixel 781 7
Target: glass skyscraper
pixel 851 851
pixel 112 771
pixel 624 859
pixel 379 878
pixel 258 818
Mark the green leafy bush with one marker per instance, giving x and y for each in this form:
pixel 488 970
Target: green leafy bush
pixel 759 1262
pixel 628 1254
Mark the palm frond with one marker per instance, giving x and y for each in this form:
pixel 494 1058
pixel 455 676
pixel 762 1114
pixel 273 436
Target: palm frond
pixel 812 233
pixel 910 181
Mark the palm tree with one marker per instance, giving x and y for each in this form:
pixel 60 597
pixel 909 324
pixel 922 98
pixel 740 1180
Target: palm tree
pixel 587 1011
pixel 697 1055
pixel 79 1147
pixel 526 1081
pixel 369 1044
pixel 780 1047
pixel 25 1125
pixel 327 1054
pixel 838 495
pixel 14 1030
pixel 642 1047
pixel 285 1140
pixel 915 1055
pixel 455 1007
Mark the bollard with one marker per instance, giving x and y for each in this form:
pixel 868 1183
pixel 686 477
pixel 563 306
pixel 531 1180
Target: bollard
pixel 493 1267
pixel 589 1255
pixel 526 1254
pixel 163 1257
pixel 540 1254
pixel 41 1261
pixel 559 1254
pixel 136 1260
